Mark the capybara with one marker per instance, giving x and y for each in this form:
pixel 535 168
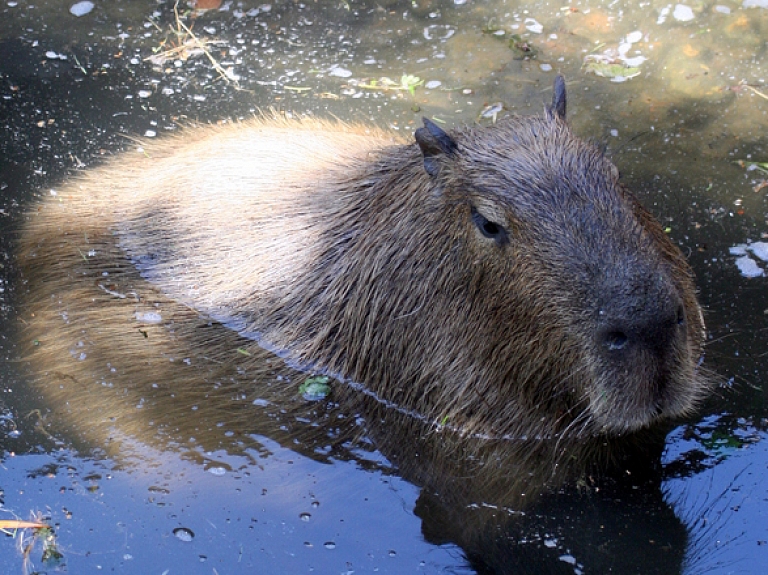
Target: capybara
pixel 496 281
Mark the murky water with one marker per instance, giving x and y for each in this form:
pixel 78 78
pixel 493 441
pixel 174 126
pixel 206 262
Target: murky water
pixel 190 492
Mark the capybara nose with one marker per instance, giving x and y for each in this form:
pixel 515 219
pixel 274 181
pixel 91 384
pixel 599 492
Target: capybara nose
pixel 657 327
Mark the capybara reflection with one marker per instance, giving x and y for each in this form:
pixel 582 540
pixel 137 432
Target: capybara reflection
pixel 496 280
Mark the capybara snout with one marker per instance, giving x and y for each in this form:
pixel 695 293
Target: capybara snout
pixel 499 281
pixel 642 337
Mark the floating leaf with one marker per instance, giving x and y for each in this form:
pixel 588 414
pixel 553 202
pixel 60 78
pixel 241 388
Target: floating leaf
pixel 613 71
pixel 522 48
pixel 315 388
pixel 761 166
pixel 410 83
pixel 52 557
pixel 407 82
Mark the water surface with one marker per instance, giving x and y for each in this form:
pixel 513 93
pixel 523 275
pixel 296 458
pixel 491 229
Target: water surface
pixel 683 130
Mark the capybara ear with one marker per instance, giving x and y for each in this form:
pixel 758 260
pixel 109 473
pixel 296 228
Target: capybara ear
pixel 434 142
pixel 558 99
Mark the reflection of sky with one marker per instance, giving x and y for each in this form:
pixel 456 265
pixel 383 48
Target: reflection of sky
pixel 748 266
pixel 284 517
pixel 725 507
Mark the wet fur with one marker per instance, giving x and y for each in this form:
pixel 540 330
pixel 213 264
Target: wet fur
pixel 341 250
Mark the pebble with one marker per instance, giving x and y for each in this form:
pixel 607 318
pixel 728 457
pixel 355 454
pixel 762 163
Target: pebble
pixel 533 26
pixel 81 8
pixel 339 72
pixel 682 13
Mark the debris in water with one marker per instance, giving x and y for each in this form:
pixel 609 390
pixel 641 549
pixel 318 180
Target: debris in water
pixel 616 71
pixel 184 534
pixel 339 72
pixel 315 388
pixel 81 8
pixel 533 26
pixel 682 13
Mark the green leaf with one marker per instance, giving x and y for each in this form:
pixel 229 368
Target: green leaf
pixel 315 388
pixel 605 70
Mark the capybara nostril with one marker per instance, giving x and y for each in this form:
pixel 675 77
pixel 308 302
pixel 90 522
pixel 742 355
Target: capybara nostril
pixel 615 340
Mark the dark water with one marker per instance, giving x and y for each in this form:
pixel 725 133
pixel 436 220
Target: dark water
pixel 72 89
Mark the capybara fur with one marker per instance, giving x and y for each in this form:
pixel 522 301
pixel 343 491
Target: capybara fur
pixel 496 281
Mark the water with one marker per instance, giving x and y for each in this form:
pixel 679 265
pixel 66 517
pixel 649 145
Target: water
pixel 683 131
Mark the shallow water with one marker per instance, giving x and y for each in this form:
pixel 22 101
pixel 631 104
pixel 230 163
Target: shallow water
pixel 74 88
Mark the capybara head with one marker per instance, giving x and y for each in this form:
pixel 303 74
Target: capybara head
pixel 496 280
pixel 501 280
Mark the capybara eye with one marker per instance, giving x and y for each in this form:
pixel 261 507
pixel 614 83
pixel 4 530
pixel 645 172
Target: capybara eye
pixel 680 315
pixel 489 229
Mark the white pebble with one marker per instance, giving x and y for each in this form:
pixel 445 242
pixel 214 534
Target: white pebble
pixel 150 134
pixel 533 26
pixel 144 93
pixel 615 133
pixel 682 13
pixel 755 4
pixel 722 9
pixel 545 67
pixel 635 36
pixel 663 15
pixel 433 84
pixel 81 8
pixel 339 72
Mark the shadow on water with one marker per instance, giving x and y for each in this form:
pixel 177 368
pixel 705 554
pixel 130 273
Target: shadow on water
pixel 238 447
pixel 134 389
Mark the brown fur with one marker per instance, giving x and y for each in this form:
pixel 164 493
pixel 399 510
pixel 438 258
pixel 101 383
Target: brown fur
pixel 333 246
